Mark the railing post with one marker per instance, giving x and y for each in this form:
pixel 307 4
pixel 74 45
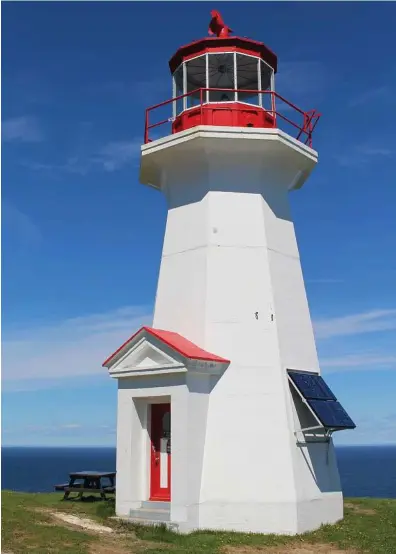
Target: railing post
pixel 308 128
pixel 273 106
pixel 146 127
pixel 201 107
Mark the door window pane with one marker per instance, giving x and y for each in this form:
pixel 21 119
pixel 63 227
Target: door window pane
pixel 166 431
pixel 166 425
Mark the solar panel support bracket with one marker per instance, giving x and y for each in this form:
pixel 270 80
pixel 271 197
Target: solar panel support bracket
pixel 305 429
pixel 322 438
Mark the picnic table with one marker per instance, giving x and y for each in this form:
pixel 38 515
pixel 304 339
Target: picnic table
pixel 88 482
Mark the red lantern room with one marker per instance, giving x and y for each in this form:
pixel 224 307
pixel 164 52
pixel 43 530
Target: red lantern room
pixel 228 81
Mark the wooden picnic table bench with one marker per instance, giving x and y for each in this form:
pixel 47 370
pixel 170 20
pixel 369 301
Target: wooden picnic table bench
pixel 88 482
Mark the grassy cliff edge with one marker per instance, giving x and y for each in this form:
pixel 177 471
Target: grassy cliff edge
pixel 41 523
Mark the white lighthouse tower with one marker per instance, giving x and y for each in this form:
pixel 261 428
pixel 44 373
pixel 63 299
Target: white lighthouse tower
pixel 223 419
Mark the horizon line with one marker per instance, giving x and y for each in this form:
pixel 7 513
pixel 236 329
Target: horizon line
pixel 114 446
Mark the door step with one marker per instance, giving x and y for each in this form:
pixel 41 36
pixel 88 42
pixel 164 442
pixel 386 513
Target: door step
pixel 155 505
pixel 156 512
pixel 172 526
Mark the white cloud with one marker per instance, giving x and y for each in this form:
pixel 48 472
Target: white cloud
pixel 75 347
pixel 50 428
pixel 62 429
pixel 373 96
pixel 367 361
pixel 301 78
pixel 373 321
pixel 373 150
pixel 149 91
pixel 18 225
pixel 363 154
pixel 366 322
pixel 115 155
pixel 22 129
pixel 71 426
pixel 370 430
pixel 60 435
pixel 110 157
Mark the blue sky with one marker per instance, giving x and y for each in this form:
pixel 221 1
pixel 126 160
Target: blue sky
pixel 82 239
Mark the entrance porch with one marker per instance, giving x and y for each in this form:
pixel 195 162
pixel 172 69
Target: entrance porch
pixel 164 382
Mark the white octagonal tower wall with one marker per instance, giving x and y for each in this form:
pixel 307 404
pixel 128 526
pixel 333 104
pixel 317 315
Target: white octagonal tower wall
pixel 231 281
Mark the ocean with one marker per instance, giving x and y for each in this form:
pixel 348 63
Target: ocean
pixel 368 471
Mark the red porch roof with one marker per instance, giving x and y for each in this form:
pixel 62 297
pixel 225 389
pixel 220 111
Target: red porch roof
pixel 176 342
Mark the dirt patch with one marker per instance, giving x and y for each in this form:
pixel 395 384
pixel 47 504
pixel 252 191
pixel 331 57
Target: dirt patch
pixel 73 520
pixel 111 541
pixel 110 547
pixel 287 549
pixel 46 523
pixel 359 510
pixel 119 544
pixel 83 522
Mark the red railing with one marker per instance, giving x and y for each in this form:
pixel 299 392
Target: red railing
pixel 304 126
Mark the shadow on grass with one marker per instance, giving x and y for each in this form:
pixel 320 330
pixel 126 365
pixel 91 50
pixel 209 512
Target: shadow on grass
pixel 83 499
pixel 106 509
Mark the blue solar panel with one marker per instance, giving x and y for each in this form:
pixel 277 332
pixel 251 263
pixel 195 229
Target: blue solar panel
pixel 321 400
pixel 331 414
pixel 311 386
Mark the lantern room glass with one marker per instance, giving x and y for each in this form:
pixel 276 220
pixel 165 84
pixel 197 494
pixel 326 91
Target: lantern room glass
pixel 178 90
pixel 247 70
pixel 221 75
pixel 267 83
pixel 195 80
pixel 225 71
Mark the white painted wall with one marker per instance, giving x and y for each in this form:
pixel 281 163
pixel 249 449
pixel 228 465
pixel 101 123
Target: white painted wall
pixel 231 281
pixel 188 395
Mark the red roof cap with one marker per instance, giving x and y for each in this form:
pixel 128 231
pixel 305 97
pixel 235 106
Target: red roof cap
pixel 176 342
pixel 245 45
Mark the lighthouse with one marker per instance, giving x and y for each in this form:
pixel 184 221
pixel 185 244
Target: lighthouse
pixel 224 421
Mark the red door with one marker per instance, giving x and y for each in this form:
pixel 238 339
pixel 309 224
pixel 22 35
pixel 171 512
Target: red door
pixel 160 452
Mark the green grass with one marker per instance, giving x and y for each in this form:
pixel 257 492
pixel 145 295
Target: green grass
pixel 26 530
pixel 369 526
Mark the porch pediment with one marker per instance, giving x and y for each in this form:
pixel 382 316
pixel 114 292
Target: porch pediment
pixel 144 358
pixel 154 351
